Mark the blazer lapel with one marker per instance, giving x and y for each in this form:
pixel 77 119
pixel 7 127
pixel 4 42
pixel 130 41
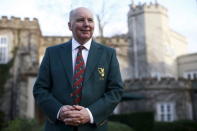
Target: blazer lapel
pixel 66 58
pixel 93 59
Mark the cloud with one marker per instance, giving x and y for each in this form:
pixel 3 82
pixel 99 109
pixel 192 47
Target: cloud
pixel 20 8
pixel 53 16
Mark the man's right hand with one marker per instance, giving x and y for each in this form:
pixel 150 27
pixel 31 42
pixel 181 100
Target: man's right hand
pixel 63 110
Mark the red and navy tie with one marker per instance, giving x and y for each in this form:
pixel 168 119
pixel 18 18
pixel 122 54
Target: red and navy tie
pixel 78 76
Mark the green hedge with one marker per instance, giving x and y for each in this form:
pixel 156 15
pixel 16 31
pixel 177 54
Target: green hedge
pixel 183 125
pixel 2 123
pixel 23 125
pixel 116 126
pixel 139 121
pixel 32 125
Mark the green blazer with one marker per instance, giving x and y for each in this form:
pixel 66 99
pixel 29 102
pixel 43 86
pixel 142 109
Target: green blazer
pixel 101 92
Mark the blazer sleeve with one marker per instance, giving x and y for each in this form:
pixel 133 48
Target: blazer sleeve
pixel 42 87
pixel 103 107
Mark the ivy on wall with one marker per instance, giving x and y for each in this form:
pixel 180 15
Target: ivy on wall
pixel 4 74
pixel 4 71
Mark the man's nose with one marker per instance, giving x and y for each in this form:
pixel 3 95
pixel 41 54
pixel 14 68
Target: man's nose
pixel 86 23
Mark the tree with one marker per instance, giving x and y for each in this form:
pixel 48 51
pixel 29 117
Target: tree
pixel 104 12
pixel 104 15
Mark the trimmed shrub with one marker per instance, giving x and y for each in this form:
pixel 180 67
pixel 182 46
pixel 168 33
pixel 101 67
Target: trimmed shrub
pixel 23 125
pixel 32 125
pixel 187 123
pixel 116 126
pixel 139 121
pixel 2 123
pixel 183 125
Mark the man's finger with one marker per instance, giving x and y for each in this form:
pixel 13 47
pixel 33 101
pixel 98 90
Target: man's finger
pixel 72 121
pixel 72 114
pixel 77 107
pixel 67 108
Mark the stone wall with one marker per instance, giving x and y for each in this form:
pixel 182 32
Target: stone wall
pixel 23 38
pixel 158 91
pixel 187 65
pixel 154 46
pixel 18 23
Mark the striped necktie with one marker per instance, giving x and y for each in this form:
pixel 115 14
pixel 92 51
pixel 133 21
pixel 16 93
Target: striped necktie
pixel 78 76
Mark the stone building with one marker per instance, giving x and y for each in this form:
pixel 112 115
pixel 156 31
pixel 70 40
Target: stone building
pixel 150 49
pixel 187 66
pixel 154 46
pixel 158 61
pixel 23 38
pixel 171 99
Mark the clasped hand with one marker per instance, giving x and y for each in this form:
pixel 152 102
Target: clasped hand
pixel 74 115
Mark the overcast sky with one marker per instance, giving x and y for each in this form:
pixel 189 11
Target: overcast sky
pixel 53 15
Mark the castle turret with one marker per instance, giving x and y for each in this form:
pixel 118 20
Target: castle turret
pixel 22 36
pixel 18 23
pixel 153 44
pixel 17 32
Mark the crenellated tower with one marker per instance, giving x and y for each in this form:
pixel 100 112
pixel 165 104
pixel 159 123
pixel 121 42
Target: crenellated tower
pixel 23 37
pixel 18 23
pixel 20 33
pixel 154 47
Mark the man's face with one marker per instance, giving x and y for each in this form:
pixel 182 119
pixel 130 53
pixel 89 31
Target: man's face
pixel 82 25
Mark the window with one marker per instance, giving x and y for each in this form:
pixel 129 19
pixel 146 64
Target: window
pixel 190 74
pixel 165 112
pixel 156 75
pixel 3 50
pixel 195 75
pixel 3 40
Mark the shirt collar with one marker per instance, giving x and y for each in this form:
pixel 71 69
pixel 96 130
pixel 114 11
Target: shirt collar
pixel 75 44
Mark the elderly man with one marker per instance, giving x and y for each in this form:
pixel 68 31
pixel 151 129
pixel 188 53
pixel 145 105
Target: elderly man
pixel 79 82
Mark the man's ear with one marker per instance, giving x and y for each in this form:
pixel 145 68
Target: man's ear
pixel 70 26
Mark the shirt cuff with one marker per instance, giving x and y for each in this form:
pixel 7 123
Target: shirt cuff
pixel 91 117
pixel 58 113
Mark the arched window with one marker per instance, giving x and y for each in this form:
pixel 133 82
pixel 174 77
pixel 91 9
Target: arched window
pixel 3 50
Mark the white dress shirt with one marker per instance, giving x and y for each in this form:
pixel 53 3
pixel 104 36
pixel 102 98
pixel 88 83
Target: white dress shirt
pixel 85 52
pixel 75 49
